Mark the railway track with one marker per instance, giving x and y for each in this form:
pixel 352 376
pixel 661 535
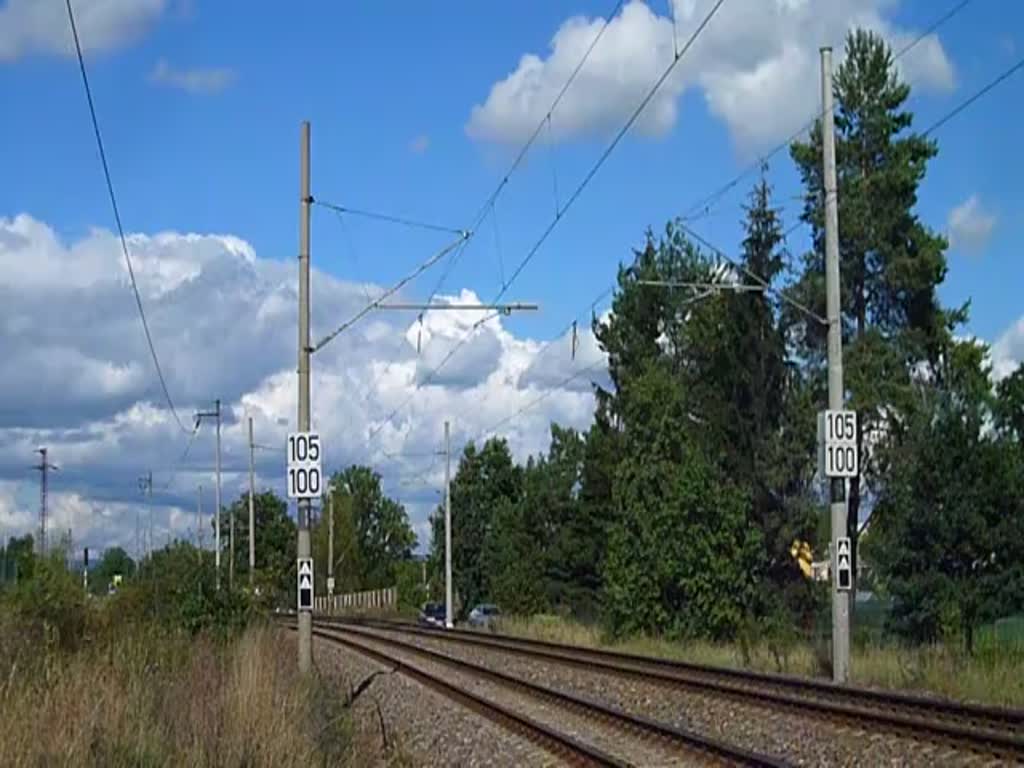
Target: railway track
pixel 981 730
pixel 602 735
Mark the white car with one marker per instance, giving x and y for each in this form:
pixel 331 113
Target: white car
pixel 483 615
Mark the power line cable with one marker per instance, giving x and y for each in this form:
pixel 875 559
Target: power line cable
pixel 973 98
pixel 181 459
pixel 489 203
pixel 939 123
pixel 702 207
pixel 959 108
pixel 407 222
pixel 117 217
pixel 540 398
pixel 573 198
pixel 390 291
pixel 347 236
pixel 432 373
pixel 611 147
pixel 768 287
pixel 591 307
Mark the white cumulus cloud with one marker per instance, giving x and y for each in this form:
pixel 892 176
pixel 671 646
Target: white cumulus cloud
pixel 756 63
pixel 194 80
pixel 80 381
pixel 1008 350
pixel 970 226
pixel 42 27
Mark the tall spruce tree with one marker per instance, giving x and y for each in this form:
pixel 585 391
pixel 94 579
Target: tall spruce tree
pixel 890 262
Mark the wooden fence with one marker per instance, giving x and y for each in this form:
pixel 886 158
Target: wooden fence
pixel 375 600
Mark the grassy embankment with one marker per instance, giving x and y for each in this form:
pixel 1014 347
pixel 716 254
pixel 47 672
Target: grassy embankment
pixel 157 698
pixel 168 672
pixel 994 674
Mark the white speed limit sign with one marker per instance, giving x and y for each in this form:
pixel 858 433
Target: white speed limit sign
pixel 304 472
pixel 837 443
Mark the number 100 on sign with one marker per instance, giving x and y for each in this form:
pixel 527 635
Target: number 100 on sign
pixel 304 473
pixel 837 443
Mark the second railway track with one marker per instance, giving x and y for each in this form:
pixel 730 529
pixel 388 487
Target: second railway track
pixel 580 730
pixel 984 731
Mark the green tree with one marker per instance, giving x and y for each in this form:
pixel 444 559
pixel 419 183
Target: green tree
pixel 412 591
pixel 515 559
pixel 276 543
pixel 602 451
pixel 114 561
pixel 485 481
pixel 20 557
pixel 49 600
pixel 176 587
pixel 890 262
pixel 765 427
pixel 558 525
pixel 718 356
pixel 372 534
pixel 1010 405
pixel 947 531
pixel 348 558
pixel 680 553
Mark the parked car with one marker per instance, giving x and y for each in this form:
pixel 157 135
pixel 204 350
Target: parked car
pixel 484 615
pixel 432 615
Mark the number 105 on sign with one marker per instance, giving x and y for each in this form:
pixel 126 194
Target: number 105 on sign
pixel 837 443
pixel 304 473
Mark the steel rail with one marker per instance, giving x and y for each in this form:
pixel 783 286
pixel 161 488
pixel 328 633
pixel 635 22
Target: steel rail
pixel 692 744
pixel 559 744
pixel 986 729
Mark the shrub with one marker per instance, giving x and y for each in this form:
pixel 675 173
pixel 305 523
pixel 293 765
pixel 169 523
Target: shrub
pixel 50 607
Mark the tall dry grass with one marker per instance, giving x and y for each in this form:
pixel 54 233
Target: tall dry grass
pixel 150 698
pixel 993 675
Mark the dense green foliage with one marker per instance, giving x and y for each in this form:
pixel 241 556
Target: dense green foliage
pixel 276 541
pixel 16 558
pixel 486 484
pixel 372 539
pixel 115 562
pixel 949 523
pixel 372 534
pixel 676 512
pixel 891 263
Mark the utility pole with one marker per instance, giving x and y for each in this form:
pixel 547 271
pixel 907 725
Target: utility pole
pixel 330 542
pixel 447 527
pixel 837 489
pixel 252 506
pixel 199 519
pixel 44 467
pixel 146 487
pixel 305 618
pixel 215 414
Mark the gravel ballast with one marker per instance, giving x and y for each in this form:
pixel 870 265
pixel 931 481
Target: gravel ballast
pixel 625 744
pixel 422 727
pixel 793 736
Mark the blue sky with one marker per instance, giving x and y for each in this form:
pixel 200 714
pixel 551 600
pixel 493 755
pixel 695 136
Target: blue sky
pixel 200 105
pixel 372 79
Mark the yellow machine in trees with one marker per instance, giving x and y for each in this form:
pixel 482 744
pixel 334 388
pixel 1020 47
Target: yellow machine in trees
pixel 801 552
